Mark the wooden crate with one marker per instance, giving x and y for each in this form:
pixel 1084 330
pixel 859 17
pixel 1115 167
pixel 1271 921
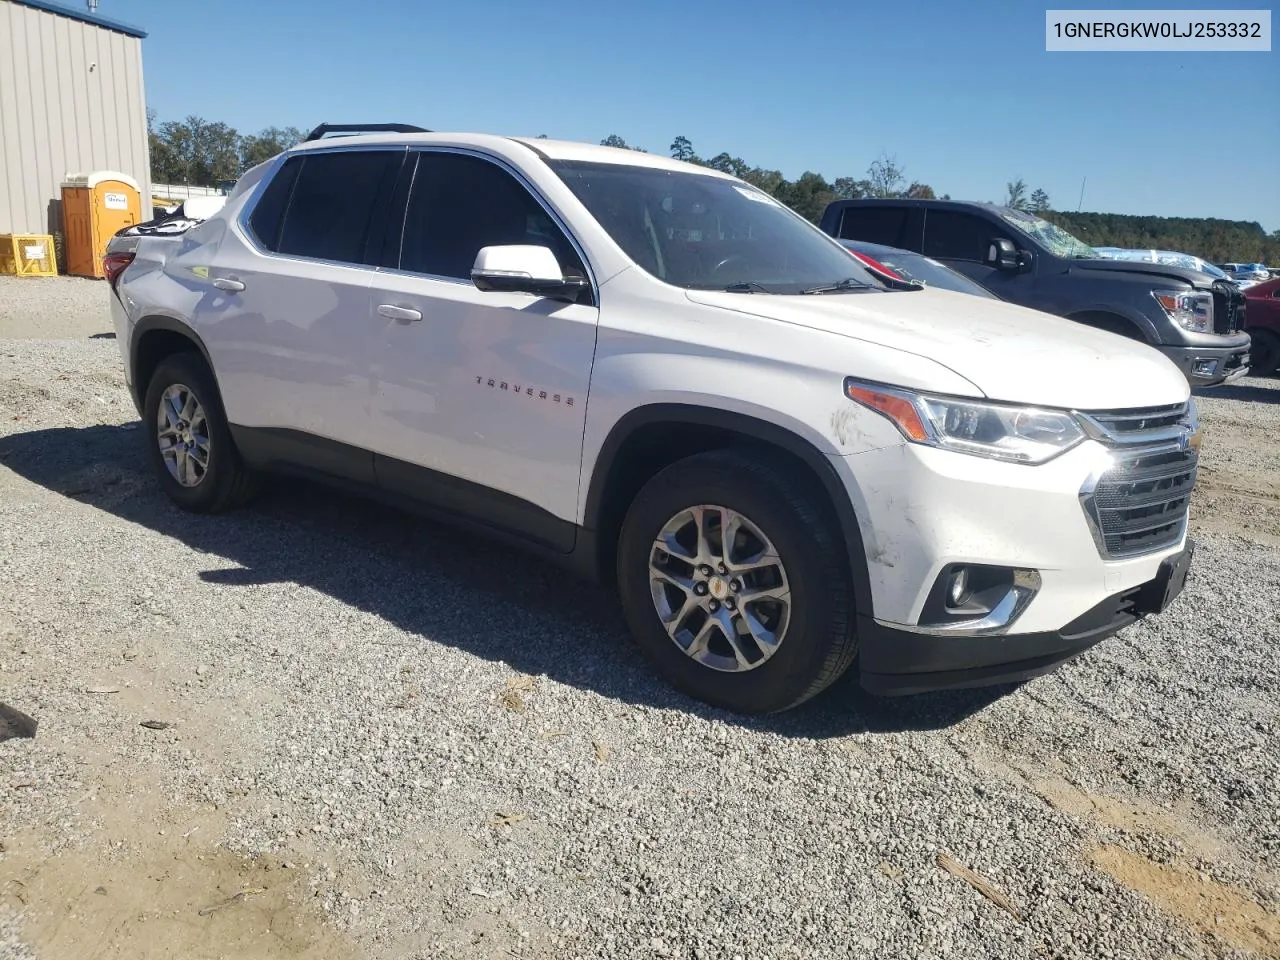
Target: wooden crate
pixel 28 255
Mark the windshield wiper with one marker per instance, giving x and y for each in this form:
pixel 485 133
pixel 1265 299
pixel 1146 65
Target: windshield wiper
pixel 747 286
pixel 848 283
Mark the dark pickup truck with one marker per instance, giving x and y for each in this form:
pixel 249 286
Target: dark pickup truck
pixel 1195 321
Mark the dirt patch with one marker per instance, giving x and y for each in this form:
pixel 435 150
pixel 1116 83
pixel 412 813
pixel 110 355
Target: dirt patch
pixel 1136 817
pixel 1238 483
pixel 169 899
pixel 1210 907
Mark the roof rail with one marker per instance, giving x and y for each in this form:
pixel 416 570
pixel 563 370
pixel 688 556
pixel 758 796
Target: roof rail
pixel 327 128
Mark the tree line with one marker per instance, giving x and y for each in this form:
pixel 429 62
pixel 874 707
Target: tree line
pixel 809 193
pixel 198 153
pixel 202 153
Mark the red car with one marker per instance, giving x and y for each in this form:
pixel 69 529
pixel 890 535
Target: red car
pixel 1262 323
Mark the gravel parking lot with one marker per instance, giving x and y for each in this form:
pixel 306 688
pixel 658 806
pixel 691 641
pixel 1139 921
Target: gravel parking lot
pixel 316 728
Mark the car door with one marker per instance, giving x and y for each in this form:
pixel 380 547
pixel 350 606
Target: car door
pixel 960 240
pixel 288 324
pixel 480 398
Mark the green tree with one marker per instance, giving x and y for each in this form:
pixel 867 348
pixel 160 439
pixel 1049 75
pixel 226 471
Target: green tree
pixel 734 166
pixel 1039 200
pixel 920 191
pixel 256 148
pixel 682 149
pixel 1016 194
pixel 613 140
pixel 807 196
pixel 847 188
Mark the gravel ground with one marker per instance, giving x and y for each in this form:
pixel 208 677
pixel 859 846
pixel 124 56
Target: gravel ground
pixel 386 739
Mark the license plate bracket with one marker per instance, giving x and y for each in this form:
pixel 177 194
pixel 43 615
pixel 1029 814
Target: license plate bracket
pixel 1169 581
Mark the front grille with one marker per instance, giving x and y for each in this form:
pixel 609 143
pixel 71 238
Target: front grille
pixel 1140 503
pixel 1126 426
pixel 1228 307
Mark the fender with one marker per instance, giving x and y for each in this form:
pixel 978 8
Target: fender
pixel 152 323
pixel 1135 318
pixel 749 429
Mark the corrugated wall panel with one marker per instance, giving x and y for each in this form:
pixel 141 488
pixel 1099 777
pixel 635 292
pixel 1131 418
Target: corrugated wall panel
pixel 58 116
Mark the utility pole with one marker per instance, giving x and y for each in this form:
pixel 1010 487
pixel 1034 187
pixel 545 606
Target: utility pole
pixel 1081 201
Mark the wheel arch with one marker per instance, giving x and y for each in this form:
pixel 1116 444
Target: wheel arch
pixel 155 337
pixel 649 438
pixel 1135 326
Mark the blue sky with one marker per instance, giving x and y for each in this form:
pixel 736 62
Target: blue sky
pixel 963 94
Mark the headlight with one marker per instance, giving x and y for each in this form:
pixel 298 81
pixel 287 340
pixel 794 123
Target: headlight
pixel 993 430
pixel 1190 310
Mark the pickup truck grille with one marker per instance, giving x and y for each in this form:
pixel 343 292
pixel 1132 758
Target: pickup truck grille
pixel 1139 503
pixel 1228 307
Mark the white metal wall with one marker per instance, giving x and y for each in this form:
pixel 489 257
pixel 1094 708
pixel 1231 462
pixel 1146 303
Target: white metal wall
pixel 71 101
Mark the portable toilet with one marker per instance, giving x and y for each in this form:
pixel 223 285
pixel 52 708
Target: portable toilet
pixel 94 207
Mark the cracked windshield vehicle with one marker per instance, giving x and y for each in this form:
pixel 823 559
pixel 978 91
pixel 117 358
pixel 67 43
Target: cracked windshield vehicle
pixel 1053 237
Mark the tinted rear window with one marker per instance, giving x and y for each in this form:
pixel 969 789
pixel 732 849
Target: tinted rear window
pixel 269 212
pixel 886 225
pixel 333 204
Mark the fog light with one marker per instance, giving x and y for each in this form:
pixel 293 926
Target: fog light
pixel 958 591
pixel 1205 368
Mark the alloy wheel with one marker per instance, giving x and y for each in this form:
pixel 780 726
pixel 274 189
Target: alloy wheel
pixel 182 432
pixel 720 588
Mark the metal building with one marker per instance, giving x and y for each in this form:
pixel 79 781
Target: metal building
pixel 71 101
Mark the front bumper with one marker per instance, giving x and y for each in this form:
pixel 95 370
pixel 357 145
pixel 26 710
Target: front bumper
pixel 895 662
pixel 1211 366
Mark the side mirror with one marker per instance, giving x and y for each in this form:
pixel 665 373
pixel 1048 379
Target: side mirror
pixel 1002 254
pixel 520 268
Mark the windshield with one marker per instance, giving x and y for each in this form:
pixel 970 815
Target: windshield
pixel 704 232
pixel 1059 242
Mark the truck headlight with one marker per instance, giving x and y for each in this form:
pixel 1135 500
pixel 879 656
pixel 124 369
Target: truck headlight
pixel 993 430
pixel 1192 310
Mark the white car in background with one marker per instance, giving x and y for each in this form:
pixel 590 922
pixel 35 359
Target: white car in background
pixel 1174 259
pixel 657 375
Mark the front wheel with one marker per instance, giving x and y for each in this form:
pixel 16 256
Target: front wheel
pixel 188 441
pixel 733 584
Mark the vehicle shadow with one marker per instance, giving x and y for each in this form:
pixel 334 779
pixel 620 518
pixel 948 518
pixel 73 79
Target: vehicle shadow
pixel 431 580
pixel 1245 391
pixel 14 723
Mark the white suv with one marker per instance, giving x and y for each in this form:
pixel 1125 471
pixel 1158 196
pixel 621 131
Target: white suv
pixel 660 376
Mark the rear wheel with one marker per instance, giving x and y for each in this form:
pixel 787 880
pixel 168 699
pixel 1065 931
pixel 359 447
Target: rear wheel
pixel 188 441
pixel 733 583
pixel 1264 353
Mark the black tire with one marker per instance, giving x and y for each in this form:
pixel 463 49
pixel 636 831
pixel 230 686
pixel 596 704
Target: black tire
pixel 227 482
pixel 788 506
pixel 1264 353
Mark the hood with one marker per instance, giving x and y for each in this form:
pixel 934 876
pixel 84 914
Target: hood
pixel 1008 352
pixel 1143 268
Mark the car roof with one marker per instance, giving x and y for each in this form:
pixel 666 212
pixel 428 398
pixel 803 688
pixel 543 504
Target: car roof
pixel 931 204
pixel 546 149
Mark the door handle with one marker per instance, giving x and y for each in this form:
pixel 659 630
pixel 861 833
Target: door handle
pixel 392 312
pixel 227 284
